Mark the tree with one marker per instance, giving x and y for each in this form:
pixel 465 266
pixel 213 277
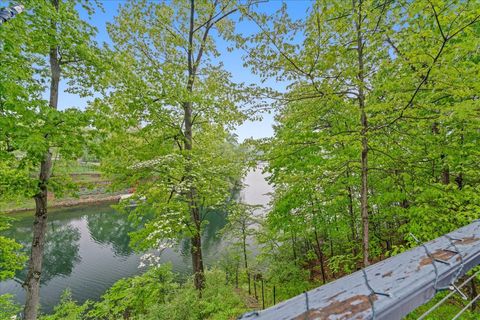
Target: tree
pixel 241 227
pixel 363 76
pixel 339 58
pixel 167 120
pixel 49 41
pixel 16 84
pixel 11 260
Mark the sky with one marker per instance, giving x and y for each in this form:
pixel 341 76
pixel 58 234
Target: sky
pixel 232 60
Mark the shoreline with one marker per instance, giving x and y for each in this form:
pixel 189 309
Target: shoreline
pixel 71 203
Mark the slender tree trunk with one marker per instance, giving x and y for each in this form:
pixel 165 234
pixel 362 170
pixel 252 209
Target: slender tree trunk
pixel 459 178
pixel 244 244
pixel 196 240
pixel 197 259
pixel 352 221
pixel 320 256
pixel 32 281
pixel 352 217
pixel 236 276
pixel 245 258
pixel 364 126
pixel 194 60
pixel 319 249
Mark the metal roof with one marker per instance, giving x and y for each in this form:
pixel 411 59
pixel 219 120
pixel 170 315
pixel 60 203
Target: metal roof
pixel 8 13
pixel 389 289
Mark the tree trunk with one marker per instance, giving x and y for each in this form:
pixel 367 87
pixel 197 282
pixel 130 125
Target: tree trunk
pixel 364 126
pixel 197 260
pixel 236 277
pixel 245 258
pixel 244 243
pixel 32 281
pixel 196 240
pixel 294 251
pixel 459 178
pixel 352 217
pixel 320 256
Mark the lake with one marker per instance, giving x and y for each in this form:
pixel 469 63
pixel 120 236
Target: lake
pixel 87 248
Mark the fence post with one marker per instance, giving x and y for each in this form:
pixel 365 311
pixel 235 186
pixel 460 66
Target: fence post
pixel 274 295
pixel 473 294
pixel 263 296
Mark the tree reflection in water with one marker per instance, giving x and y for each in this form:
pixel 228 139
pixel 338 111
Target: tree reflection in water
pixel 61 249
pixel 214 221
pixel 107 228
pixel 110 228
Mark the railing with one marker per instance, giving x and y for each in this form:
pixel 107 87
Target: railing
pixel 392 288
pixel 8 13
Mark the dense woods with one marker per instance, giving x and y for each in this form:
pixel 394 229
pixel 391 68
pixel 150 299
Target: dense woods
pixel 375 145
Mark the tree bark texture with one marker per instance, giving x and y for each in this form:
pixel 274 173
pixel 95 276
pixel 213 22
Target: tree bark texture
pixel 32 281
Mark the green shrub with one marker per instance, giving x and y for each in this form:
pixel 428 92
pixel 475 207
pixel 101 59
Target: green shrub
pixel 219 301
pixel 155 295
pixel 8 308
pixel 68 309
pixel 133 296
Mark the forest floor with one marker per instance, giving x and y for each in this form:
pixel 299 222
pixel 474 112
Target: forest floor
pixel 250 301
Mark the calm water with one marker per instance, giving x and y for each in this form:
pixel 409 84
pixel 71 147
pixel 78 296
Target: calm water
pixel 87 248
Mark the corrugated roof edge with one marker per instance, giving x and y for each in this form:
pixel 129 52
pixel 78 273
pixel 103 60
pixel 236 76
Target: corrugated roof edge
pixel 401 283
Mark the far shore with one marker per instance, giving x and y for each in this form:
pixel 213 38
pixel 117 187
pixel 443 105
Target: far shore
pixel 65 203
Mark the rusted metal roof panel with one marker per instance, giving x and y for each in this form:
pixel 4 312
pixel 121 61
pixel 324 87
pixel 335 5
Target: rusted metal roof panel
pixel 389 289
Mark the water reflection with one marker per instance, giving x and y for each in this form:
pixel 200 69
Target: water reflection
pixel 214 221
pixel 87 249
pixel 61 248
pixel 106 228
pixel 61 251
